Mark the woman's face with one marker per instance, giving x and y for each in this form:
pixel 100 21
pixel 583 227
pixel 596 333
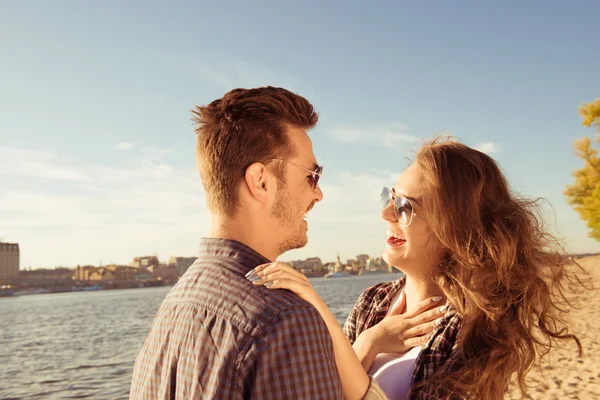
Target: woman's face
pixel 411 248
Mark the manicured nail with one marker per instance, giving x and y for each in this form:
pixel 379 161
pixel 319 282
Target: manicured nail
pixel 254 278
pixel 443 308
pixel 268 284
pixel 437 321
pixel 250 273
pixel 436 299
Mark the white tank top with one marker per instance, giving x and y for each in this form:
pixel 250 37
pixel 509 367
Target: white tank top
pixel 393 372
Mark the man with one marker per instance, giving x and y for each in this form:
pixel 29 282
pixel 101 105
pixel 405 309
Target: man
pixel 216 335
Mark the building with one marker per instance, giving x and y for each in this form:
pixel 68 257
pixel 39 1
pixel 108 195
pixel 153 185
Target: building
pixel 102 274
pixel 362 260
pixel 182 263
pixel 147 262
pixel 165 273
pixel 9 260
pixel 45 274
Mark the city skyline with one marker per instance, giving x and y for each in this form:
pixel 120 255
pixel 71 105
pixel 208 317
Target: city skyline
pixel 97 145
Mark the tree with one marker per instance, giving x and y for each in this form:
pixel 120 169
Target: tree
pixel 584 194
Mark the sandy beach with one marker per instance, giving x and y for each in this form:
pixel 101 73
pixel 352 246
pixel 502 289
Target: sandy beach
pixel 565 375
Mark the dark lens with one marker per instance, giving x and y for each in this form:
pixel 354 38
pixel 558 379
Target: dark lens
pixel 317 176
pixel 385 197
pixel 403 210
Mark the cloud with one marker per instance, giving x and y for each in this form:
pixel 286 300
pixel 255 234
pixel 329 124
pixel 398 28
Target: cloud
pixel 487 147
pixel 22 162
pixel 389 135
pixel 66 212
pixel 124 146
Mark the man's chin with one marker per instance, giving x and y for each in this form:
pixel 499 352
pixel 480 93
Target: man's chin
pixel 294 243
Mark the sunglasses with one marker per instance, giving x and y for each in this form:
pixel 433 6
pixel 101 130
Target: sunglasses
pixel 402 206
pixel 315 175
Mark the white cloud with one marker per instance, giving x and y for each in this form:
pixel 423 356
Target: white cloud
pixel 40 164
pixel 487 147
pixel 389 135
pixel 67 213
pixel 124 146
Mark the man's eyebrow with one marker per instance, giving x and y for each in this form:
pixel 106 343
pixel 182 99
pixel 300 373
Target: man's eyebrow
pixel 417 202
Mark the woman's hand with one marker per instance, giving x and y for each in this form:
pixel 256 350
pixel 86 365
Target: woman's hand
pixel 278 275
pixel 398 333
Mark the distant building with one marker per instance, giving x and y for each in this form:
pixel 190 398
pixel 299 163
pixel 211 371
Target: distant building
pixel 122 272
pixel 147 262
pixel 45 274
pixel 83 273
pixel 182 263
pixel 9 260
pixel 165 273
pixel 362 260
pixel 102 274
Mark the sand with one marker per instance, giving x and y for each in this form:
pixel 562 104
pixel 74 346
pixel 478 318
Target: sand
pixel 566 376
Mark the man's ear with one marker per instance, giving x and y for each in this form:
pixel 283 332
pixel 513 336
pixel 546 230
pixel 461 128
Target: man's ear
pixel 257 180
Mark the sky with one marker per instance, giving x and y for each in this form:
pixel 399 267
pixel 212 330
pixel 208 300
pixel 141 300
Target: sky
pixel 97 145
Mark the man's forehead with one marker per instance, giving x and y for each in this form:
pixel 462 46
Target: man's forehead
pixel 302 144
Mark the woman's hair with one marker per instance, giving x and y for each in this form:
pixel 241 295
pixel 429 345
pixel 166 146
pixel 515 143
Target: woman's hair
pixel 505 274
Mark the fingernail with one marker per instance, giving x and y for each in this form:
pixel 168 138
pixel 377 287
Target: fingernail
pixel 443 308
pixel 436 299
pixel 437 321
pixel 250 273
pixel 268 284
pixel 254 278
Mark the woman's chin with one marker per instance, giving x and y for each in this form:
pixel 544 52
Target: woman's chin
pixel 392 259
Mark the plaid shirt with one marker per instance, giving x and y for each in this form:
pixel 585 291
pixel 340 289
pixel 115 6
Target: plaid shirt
pixel 438 354
pixel 217 336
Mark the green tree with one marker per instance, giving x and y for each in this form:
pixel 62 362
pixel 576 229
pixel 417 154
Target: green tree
pixel 584 194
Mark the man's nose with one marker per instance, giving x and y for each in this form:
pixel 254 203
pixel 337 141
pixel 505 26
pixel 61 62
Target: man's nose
pixel 319 194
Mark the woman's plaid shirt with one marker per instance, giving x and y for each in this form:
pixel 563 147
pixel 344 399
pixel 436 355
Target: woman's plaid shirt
pixel 438 354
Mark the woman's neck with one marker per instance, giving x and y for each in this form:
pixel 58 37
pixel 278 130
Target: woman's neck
pixel 419 288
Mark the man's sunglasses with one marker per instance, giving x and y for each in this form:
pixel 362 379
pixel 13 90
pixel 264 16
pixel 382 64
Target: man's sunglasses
pixel 402 206
pixel 315 174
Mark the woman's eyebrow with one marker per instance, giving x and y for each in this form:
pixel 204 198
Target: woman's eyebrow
pixel 417 202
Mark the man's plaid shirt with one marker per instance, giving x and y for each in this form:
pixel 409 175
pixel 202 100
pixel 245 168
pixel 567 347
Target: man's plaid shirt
pixel 438 354
pixel 217 336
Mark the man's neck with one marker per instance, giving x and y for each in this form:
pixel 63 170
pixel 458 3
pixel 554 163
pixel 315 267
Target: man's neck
pixel 419 288
pixel 244 232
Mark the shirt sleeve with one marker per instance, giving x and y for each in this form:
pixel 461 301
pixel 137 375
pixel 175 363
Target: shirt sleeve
pixel 292 358
pixel 358 317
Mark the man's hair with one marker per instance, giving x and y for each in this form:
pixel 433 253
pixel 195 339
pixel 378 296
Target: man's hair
pixel 243 127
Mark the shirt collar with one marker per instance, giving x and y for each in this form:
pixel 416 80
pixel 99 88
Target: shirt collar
pixel 233 250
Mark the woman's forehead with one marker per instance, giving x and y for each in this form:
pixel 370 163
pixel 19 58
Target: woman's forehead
pixel 410 182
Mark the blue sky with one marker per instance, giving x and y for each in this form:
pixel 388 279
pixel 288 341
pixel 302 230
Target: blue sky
pixel 97 145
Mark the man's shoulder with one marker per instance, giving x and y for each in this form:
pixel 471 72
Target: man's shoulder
pixel 220 287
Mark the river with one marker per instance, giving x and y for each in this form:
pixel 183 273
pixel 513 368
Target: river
pixel 82 345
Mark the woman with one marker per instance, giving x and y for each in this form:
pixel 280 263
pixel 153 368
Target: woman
pixel 460 236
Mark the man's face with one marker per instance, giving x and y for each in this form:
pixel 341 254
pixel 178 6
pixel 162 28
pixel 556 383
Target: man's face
pixel 295 194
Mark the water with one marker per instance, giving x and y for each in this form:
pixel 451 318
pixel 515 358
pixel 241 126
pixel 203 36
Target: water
pixel 83 345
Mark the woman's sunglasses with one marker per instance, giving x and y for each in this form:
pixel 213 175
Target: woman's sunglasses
pixel 402 206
